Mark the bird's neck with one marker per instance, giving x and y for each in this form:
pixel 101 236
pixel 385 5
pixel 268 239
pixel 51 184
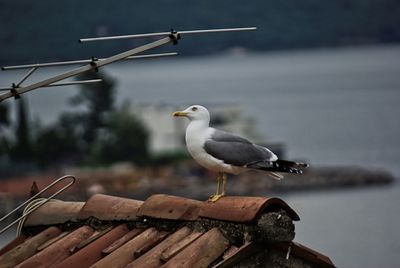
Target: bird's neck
pixel 198 125
pixel 196 129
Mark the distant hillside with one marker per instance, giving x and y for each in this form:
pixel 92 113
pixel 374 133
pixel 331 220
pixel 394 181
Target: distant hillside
pixel 44 30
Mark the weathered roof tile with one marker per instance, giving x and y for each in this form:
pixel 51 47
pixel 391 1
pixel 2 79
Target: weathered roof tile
pixel 243 209
pixel 314 257
pixel 13 243
pixel 53 240
pixel 54 212
pixel 121 241
pixel 150 243
pixel 173 250
pixel 28 248
pixel 235 254
pixel 124 255
pixel 92 252
pixel 202 252
pixel 58 251
pixel 107 207
pixel 152 258
pixel 95 235
pixel 170 207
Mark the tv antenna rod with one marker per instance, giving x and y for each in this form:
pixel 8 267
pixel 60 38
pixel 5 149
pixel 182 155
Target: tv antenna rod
pixel 17 89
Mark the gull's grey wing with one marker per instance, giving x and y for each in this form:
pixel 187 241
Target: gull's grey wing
pixel 220 135
pixel 236 150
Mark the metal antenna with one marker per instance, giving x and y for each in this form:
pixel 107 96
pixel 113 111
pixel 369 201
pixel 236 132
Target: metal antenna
pixel 74 62
pixel 94 64
pixel 71 83
pixel 34 67
pixel 73 179
pixel 166 34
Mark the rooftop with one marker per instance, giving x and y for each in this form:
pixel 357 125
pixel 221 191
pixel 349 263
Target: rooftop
pixel 164 230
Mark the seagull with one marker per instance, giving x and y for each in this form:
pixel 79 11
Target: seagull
pixel 222 152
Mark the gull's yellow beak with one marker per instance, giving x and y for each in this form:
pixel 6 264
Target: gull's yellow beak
pixel 180 113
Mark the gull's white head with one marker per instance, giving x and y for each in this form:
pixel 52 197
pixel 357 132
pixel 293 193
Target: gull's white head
pixel 194 113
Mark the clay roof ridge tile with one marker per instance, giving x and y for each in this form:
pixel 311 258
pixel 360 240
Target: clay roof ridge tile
pixel 107 207
pixel 243 208
pixel 161 206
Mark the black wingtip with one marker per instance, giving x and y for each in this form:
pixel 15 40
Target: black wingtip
pixel 305 165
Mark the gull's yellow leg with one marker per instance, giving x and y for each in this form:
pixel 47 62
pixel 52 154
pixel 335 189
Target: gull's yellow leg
pixel 218 184
pixel 218 194
pixel 224 180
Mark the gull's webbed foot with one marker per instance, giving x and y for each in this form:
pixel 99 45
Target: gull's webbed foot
pixel 215 198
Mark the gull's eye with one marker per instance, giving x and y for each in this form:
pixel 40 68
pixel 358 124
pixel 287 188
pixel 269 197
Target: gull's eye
pixel 194 108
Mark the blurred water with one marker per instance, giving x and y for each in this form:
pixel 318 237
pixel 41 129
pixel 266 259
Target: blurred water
pixel 355 228
pixel 331 107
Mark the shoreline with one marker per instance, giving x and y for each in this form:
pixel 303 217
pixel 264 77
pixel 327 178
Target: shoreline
pixel 187 179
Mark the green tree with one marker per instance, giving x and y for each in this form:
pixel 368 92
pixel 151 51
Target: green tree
pixel 4 123
pixel 95 133
pixel 124 138
pixel 59 144
pixel 22 149
pixel 98 100
pixel 4 116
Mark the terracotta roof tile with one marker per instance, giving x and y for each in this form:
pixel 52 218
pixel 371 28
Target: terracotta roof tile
pixel 124 255
pixel 53 240
pixel 119 242
pixel 235 254
pixel 28 248
pixel 92 253
pixel 153 257
pixel 54 212
pixel 13 243
pixel 297 249
pixel 243 209
pixel 230 252
pixel 95 235
pixel 107 207
pixel 150 243
pixel 170 207
pixel 165 230
pixel 173 250
pixel 202 252
pixel 58 251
